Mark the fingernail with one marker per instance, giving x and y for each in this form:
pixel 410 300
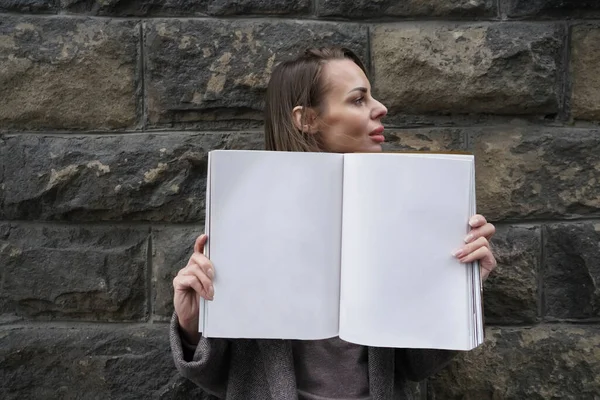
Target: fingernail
pixel 473 221
pixel 457 253
pixel 468 238
pixel 211 273
pixel 211 291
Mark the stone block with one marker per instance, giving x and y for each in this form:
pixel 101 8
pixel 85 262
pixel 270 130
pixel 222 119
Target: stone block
pixel 511 294
pixel 68 73
pixel 406 8
pixel 585 80
pixel 543 362
pixel 171 250
pixel 185 8
pixel 73 272
pixel 459 69
pixel 531 172
pixel 424 139
pixel 140 8
pixel 91 362
pixel 552 8
pixel 572 270
pixel 216 71
pixel 143 177
pixel 27 6
pixel 269 7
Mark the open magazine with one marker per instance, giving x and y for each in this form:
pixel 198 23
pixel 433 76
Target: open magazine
pixel 316 245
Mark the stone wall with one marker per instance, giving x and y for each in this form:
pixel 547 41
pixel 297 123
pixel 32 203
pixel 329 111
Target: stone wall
pixel 108 109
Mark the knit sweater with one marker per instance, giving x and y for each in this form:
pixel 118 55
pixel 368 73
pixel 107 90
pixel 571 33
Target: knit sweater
pixel 247 369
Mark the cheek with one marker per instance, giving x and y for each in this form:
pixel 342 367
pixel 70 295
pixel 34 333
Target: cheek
pixel 349 122
pixel 356 124
pixel 345 134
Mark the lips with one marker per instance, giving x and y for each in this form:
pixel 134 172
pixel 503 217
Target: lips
pixel 377 135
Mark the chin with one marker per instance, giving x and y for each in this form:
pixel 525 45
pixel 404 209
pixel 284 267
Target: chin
pixel 370 147
pixel 373 148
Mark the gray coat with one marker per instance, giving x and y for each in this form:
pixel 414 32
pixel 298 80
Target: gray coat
pixel 247 369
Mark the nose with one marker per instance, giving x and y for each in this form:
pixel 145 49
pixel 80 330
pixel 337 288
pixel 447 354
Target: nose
pixel 379 110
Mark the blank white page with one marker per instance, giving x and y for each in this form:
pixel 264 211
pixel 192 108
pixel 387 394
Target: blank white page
pixel 275 237
pixel 403 217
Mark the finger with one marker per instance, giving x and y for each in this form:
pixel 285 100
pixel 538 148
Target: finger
pixel 195 271
pixel 199 244
pixel 484 273
pixel 185 282
pixel 471 247
pixel 484 256
pixel 477 220
pixel 204 263
pixel 486 231
pixel 487 265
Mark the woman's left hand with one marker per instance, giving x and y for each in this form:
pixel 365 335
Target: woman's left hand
pixel 477 246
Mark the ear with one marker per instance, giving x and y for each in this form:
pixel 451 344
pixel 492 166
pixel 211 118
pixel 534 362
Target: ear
pixel 305 119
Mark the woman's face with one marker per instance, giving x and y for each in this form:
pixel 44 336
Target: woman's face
pixel 350 117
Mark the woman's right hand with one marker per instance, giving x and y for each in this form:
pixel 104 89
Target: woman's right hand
pixel 192 282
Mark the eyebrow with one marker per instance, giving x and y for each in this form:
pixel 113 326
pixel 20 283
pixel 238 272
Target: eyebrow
pixel 360 89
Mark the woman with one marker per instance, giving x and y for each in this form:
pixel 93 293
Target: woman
pixel 320 101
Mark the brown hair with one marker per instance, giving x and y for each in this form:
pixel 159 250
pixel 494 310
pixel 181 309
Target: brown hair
pixel 298 82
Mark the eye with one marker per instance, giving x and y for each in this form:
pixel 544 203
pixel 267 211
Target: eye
pixel 359 101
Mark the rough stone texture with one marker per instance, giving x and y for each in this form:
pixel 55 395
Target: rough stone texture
pixel 215 70
pixel 27 6
pixel 425 139
pixel 73 272
pixel 68 73
pixel 181 388
pixel 531 172
pixel 406 8
pixel 91 362
pixel 572 270
pixel 552 8
pixel 427 68
pixel 511 292
pixel 148 8
pixel 102 175
pixel 544 362
pixel 149 177
pixel 171 250
pixel 245 7
pixel 585 58
pixel 144 8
